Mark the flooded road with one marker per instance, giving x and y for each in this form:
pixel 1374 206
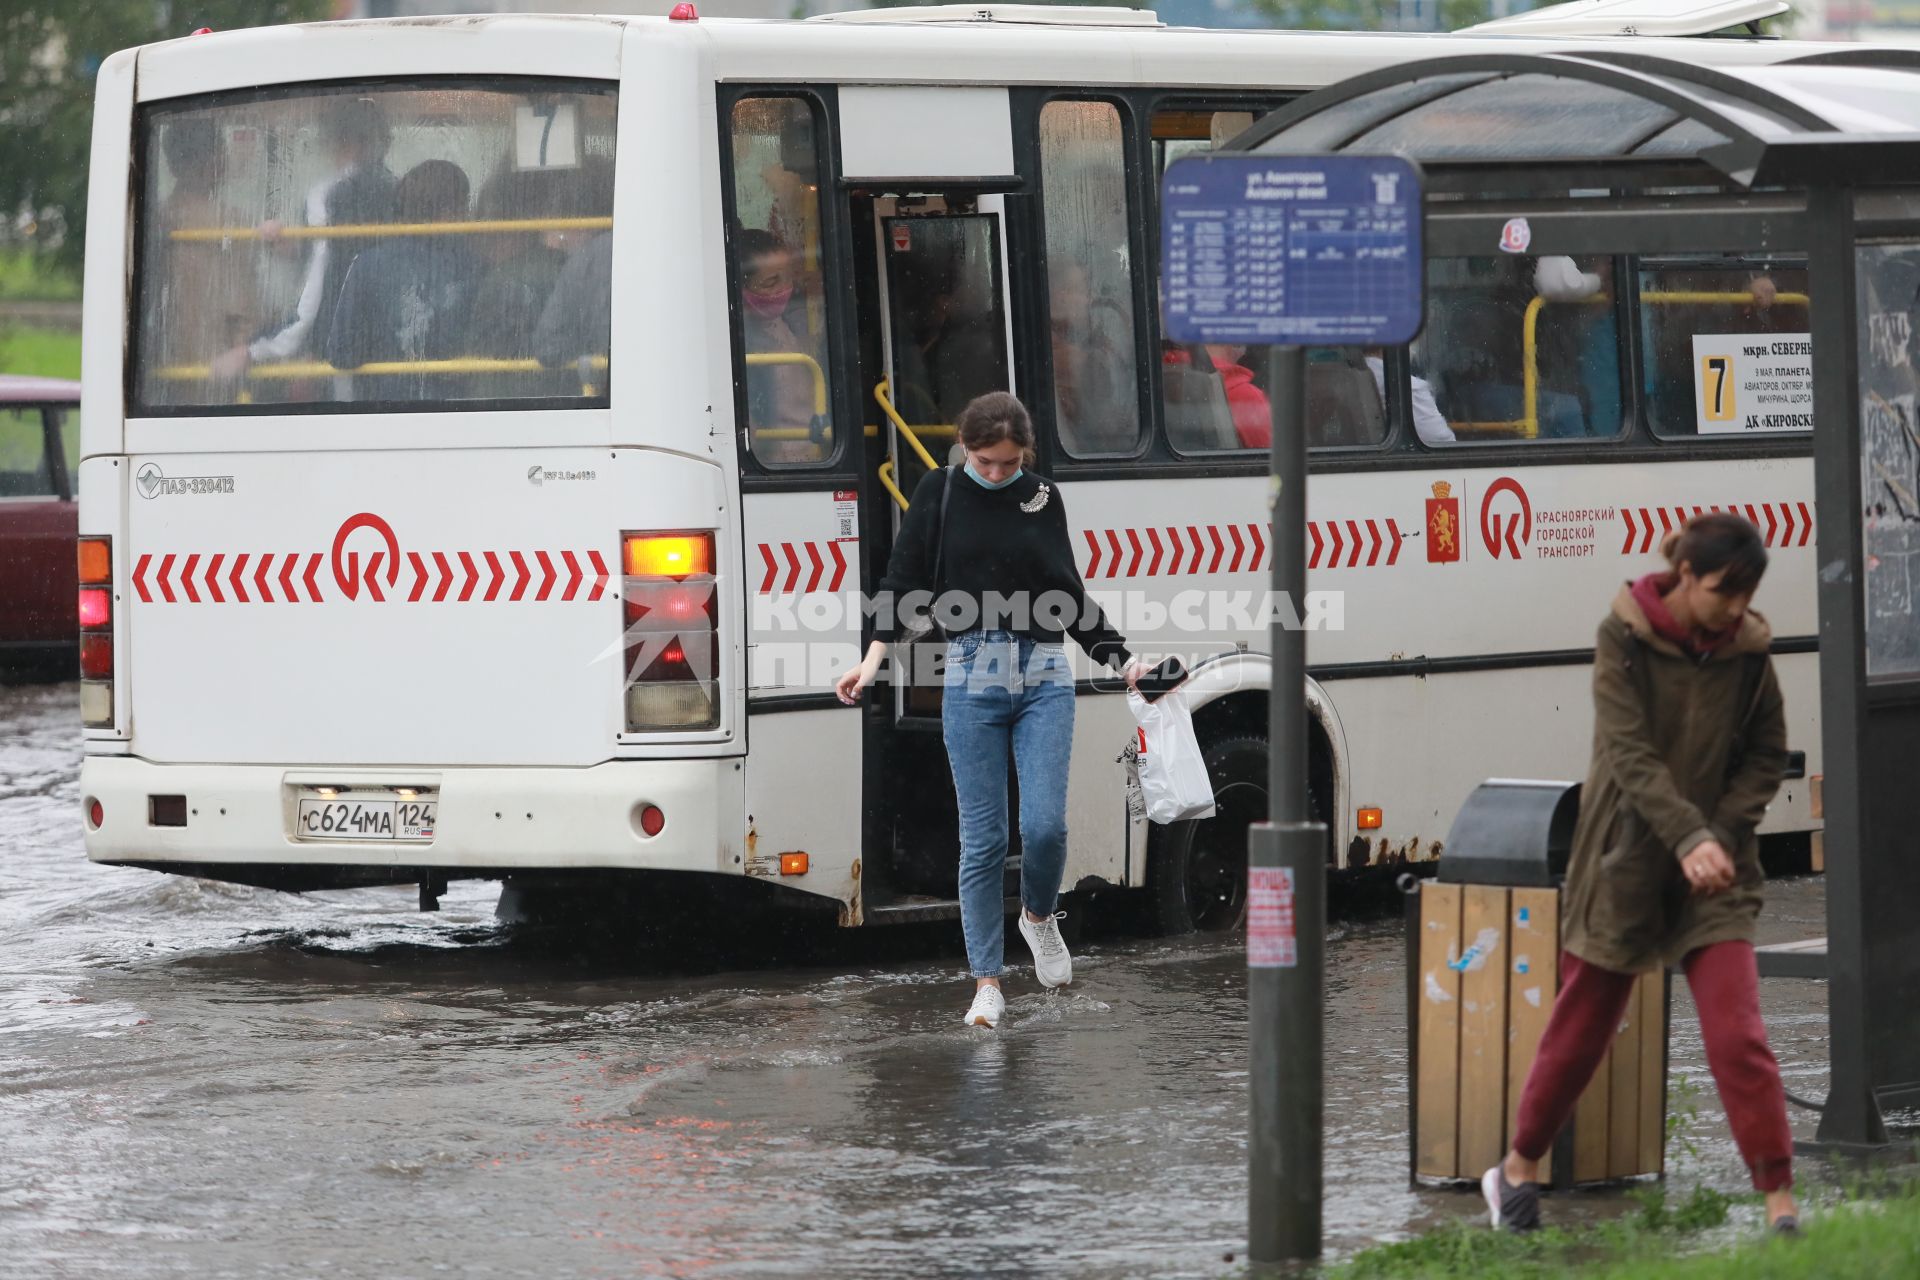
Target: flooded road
pixel 199 1080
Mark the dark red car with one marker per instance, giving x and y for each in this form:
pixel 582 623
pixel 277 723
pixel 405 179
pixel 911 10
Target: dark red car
pixel 39 466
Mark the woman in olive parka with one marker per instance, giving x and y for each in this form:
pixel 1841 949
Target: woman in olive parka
pixel 1689 745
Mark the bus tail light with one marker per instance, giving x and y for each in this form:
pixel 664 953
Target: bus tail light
pixel 96 632
pixel 1370 819
pixel 669 555
pixel 671 610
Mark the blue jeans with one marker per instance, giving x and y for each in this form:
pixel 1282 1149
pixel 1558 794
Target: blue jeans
pixel 1006 693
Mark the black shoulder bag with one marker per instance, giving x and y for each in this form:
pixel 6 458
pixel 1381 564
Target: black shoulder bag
pixel 924 627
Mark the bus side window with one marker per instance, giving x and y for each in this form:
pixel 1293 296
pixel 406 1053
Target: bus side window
pixel 1083 178
pixel 778 273
pixel 1698 322
pixel 1518 349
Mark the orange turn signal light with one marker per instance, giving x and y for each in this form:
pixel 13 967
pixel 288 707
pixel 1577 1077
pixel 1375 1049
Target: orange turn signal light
pixel 669 555
pixel 793 864
pixel 96 561
pixel 1370 819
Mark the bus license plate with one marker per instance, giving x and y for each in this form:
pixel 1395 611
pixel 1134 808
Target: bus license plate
pixel 370 817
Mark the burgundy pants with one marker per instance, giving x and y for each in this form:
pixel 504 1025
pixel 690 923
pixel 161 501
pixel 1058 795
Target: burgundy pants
pixel 1726 990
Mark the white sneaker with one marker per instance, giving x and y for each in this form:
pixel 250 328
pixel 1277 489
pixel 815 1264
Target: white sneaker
pixel 1051 963
pixel 988 1005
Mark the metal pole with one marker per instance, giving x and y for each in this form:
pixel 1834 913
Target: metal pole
pixel 1851 1117
pixel 1286 884
pixel 1287 496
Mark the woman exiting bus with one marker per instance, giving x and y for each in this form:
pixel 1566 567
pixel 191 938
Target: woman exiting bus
pixel 1689 744
pixel 989 540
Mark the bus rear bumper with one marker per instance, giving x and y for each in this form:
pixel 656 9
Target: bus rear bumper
pixel 500 819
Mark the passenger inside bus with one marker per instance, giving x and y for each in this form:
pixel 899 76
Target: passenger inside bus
pixel 953 353
pixel 1252 414
pixel 524 267
pixel 410 298
pixel 773 314
pixel 206 291
pixel 1194 401
pixel 1093 394
pixel 358 190
pixel 1428 422
pixel 1217 402
pixel 576 325
pixel 1476 350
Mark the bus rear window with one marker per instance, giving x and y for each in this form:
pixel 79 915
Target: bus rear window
pixel 383 247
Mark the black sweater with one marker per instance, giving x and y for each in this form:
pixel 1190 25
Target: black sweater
pixel 1012 543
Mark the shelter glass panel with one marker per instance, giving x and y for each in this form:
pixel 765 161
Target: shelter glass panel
pixel 423 246
pixel 1726 348
pixel 1531 116
pixel 1083 178
pixel 1333 127
pixel 1888 282
pixel 1519 348
pixel 776 246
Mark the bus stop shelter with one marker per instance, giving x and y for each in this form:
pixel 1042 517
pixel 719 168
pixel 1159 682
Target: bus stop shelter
pixel 1815 161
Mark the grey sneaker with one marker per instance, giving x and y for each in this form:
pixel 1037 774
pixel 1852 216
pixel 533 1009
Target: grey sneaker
pixel 1786 1225
pixel 1515 1208
pixel 1051 963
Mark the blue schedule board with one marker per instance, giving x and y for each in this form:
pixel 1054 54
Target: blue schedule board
pixel 1292 250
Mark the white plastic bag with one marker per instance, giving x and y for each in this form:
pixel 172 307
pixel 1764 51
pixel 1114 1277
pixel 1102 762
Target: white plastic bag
pixel 1173 773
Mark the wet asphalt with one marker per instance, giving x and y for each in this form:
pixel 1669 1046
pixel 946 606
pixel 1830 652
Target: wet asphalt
pixel 209 1081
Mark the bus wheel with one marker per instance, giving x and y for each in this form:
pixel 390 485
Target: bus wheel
pixel 1197 871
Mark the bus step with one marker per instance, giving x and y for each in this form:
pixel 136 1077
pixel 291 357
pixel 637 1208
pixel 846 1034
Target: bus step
pixel 918 909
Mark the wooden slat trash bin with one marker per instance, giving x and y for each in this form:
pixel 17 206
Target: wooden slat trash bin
pixel 1483 968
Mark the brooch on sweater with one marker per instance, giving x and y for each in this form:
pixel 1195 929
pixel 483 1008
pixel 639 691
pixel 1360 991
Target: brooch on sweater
pixel 1037 502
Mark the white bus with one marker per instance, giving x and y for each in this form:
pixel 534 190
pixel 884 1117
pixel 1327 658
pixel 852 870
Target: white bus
pixel 487 423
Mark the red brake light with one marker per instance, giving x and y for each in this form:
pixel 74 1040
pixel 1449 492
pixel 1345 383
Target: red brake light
pixel 96 608
pixel 96 657
pixel 652 821
pixel 96 816
pixel 94 611
pixel 683 12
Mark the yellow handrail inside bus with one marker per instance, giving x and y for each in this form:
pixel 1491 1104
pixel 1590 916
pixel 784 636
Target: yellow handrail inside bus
pixel 1665 296
pixel 291 369
pixel 371 230
pixel 474 364
pixel 1528 427
pixel 797 357
pixel 900 424
pixel 887 483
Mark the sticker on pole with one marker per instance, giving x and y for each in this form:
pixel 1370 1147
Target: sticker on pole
pixel 1294 250
pixel 1271 940
pixel 1752 382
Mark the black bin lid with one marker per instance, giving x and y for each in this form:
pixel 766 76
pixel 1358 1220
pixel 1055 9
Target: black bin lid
pixel 1512 831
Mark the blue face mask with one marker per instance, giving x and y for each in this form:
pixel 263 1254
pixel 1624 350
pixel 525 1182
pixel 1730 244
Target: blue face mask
pixel 985 483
